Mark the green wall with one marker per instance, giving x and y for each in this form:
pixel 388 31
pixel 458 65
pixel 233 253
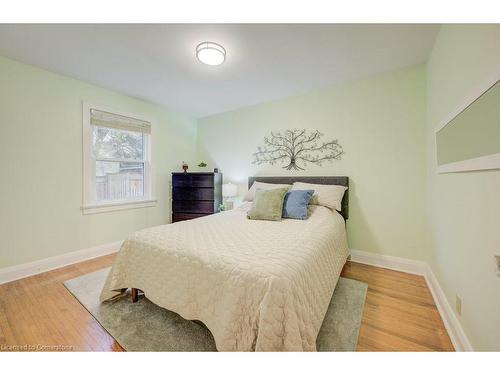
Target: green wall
pixel 464 208
pixel 380 122
pixel 41 164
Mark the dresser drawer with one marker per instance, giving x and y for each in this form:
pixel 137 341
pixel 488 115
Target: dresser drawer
pixel 190 194
pixel 206 207
pixel 193 180
pixel 182 216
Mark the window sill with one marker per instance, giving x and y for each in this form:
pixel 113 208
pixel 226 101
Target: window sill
pixel 118 206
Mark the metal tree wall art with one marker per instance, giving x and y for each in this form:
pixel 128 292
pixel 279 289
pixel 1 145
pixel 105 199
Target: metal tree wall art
pixel 296 147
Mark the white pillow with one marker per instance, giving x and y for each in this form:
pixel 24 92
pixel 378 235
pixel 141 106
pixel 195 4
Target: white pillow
pixel 324 195
pixel 250 194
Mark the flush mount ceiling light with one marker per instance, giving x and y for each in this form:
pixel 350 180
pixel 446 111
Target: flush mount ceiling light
pixel 210 53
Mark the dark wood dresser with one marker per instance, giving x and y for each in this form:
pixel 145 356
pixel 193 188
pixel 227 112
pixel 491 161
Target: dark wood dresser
pixel 195 194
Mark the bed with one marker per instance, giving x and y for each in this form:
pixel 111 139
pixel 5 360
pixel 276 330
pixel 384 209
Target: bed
pixel 256 285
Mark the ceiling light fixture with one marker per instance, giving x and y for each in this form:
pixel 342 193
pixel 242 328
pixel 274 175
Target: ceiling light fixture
pixel 210 53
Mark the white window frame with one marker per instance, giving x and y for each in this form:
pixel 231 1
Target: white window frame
pixel 90 205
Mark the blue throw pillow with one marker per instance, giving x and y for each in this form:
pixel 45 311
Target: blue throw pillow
pixel 295 204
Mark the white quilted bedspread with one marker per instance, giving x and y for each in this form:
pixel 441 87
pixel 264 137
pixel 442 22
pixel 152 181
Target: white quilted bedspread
pixel 257 285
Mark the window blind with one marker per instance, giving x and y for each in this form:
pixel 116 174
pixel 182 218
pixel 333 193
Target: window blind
pixel 112 120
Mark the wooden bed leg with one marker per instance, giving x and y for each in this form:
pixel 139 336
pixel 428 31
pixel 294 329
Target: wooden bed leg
pixel 134 295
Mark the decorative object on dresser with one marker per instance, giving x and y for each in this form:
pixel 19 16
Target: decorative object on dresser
pixel 195 194
pixel 229 191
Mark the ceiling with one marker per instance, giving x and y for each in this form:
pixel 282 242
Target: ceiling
pixel 264 61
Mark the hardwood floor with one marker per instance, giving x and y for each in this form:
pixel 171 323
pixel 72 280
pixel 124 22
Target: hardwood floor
pixel 38 313
pixel 400 313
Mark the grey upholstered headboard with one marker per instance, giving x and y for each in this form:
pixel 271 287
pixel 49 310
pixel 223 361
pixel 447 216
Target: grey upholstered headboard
pixel 323 180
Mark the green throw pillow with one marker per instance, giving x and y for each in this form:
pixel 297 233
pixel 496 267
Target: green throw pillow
pixel 268 204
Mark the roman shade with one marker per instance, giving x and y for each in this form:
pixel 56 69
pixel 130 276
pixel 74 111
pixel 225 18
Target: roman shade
pixel 112 120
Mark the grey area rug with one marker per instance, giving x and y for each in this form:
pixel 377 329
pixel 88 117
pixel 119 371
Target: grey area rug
pixel 144 326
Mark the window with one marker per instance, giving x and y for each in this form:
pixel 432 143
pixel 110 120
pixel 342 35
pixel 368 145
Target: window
pixel 116 161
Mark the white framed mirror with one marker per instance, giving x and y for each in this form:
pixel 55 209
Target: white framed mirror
pixel 471 139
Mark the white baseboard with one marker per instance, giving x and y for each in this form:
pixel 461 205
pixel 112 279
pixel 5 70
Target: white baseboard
pixel 415 267
pixel 453 327
pixel 33 268
pixel 457 335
